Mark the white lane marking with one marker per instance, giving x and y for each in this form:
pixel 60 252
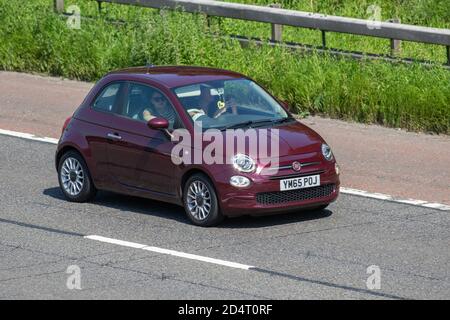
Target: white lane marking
pixel 118 242
pixel 386 197
pixel 436 205
pixel 28 136
pixel 413 202
pixel 170 252
pixel 356 192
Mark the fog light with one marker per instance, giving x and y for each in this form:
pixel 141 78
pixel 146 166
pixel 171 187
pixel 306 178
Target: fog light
pixel 239 181
pixel 337 169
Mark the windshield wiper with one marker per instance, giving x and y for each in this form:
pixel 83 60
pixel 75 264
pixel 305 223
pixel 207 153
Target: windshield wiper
pixel 283 120
pixel 246 124
pixel 257 122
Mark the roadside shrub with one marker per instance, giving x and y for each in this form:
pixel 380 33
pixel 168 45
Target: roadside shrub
pixel 35 39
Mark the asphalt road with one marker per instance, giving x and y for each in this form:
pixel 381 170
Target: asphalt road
pixel 372 158
pixel 318 255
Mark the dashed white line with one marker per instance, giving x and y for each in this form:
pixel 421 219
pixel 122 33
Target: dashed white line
pixel 356 192
pixel 169 252
pixel 236 265
pixel 115 241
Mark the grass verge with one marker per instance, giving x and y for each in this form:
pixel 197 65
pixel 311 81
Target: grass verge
pixel 34 39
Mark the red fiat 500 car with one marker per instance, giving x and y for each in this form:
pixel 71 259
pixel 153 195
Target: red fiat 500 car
pixel 121 139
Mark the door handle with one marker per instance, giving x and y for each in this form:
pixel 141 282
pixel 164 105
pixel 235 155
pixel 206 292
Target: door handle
pixel 114 136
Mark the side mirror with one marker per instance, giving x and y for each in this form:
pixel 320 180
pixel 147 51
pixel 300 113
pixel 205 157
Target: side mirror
pixel 158 123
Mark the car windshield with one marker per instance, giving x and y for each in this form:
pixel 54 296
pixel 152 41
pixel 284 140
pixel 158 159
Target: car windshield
pixel 228 104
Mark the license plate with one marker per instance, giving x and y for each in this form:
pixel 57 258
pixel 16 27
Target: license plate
pixel 300 182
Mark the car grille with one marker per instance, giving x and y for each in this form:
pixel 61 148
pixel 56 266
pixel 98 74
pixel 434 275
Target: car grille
pixel 268 198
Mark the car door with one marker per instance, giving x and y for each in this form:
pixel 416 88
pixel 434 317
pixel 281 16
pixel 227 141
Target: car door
pixel 140 157
pixel 95 125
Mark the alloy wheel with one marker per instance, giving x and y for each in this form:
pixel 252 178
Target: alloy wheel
pixel 72 176
pixel 199 200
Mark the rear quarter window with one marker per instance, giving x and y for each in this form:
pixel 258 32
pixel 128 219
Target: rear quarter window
pixel 107 98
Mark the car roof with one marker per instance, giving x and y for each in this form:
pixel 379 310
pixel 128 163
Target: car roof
pixel 176 76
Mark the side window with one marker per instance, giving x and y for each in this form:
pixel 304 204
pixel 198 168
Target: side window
pixel 107 98
pixel 137 100
pixel 143 103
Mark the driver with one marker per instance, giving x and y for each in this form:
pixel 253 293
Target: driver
pixel 207 102
pixel 209 105
pixel 161 108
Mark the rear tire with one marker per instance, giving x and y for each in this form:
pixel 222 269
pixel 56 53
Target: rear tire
pixel 74 178
pixel 200 201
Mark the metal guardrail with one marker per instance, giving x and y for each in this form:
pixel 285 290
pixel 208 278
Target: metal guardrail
pixel 277 17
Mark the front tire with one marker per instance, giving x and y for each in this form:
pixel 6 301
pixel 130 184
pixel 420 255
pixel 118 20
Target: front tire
pixel 200 201
pixel 74 178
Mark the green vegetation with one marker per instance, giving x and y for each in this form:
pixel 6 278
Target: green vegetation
pixel 33 38
pixel 429 13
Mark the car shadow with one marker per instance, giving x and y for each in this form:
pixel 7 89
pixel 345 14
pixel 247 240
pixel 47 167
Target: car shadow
pixel 174 212
pixel 275 219
pixel 129 203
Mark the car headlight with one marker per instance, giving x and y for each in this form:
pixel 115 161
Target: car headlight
pixel 326 151
pixel 243 163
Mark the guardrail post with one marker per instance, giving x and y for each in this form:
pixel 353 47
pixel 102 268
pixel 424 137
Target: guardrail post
pixel 208 21
pixel 396 45
pixel 448 55
pixel 324 39
pixel 276 28
pixel 58 6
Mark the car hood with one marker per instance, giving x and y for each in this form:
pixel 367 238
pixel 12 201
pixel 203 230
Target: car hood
pixel 297 138
pixel 293 138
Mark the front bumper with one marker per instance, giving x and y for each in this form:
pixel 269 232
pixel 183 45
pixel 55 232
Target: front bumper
pixel 263 196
